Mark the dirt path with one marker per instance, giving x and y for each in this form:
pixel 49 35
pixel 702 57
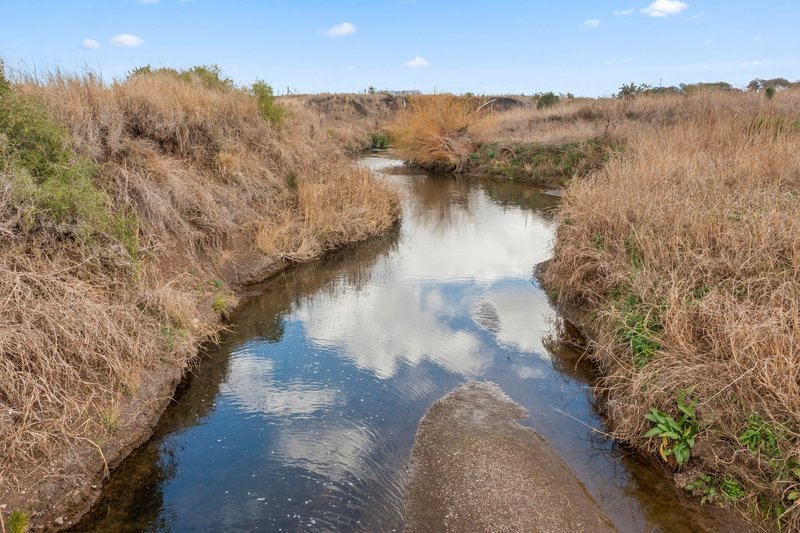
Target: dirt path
pixel 475 469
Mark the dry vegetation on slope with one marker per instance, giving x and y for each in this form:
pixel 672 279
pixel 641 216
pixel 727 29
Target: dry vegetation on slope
pixel 683 253
pixel 129 215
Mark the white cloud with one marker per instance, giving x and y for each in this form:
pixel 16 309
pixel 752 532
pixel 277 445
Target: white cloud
pixel 624 12
pixel 663 8
pixel 417 62
pixel 90 44
pixel 126 39
pixel 591 23
pixel 340 30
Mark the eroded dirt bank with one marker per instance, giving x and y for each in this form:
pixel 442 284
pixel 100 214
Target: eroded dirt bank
pixel 476 469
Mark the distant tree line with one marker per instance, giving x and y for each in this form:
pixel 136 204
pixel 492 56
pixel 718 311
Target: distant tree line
pixel 631 90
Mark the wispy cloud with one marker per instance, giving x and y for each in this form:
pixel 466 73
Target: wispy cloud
pixel 591 23
pixel 127 40
pixel 664 8
pixel 340 30
pixel 755 63
pixel 624 12
pixel 417 62
pixel 90 44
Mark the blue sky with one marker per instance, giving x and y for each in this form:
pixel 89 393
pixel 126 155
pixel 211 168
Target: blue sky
pixel 587 47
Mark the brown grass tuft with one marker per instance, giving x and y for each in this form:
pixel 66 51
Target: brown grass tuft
pixel 440 131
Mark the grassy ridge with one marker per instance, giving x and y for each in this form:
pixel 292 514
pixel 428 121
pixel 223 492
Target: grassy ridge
pixel 129 214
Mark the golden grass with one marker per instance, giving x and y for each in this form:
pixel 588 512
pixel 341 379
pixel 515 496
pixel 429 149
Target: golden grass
pixel 206 178
pixel 696 226
pixel 440 131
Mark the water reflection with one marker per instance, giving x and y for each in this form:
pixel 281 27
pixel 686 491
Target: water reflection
pixel 304 418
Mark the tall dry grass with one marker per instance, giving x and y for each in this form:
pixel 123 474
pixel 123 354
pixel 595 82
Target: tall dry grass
pixel 440 131
pixel 207 180
pixel 683 254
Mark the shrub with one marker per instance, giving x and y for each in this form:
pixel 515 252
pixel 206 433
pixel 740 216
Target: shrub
pixel 49 177
pixel 269 108
pixel 439 131
pixel 547 100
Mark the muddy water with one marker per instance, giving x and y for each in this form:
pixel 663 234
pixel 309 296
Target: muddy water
pixel 304 418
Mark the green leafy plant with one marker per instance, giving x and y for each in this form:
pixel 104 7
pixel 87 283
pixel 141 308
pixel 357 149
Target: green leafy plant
pixel 677 436
pixel 639 328
pixel 712 488
pixel 760 436
pixel 55 185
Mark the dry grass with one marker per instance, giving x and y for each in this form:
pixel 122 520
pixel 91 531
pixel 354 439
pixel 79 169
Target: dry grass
pixel 684 255
pixel 205 178
pixel 440 131
pixel 347 119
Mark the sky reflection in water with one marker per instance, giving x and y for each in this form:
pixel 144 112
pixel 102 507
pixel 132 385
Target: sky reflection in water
pixel 304 418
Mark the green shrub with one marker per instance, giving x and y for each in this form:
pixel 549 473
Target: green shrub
pixel 547 100
pixel 52 184
pixel 269 108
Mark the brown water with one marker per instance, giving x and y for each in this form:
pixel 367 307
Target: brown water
pixel 304 417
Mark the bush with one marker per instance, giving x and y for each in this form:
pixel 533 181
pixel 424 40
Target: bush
pixel 269 108
pixel 55 183
pixel 547 100
pixel 209 76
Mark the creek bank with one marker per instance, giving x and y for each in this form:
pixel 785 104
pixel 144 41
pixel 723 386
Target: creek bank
pixel 62 502
pixel 475 468
pixel 582 336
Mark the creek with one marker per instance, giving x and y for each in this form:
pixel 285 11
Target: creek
pixel 303 418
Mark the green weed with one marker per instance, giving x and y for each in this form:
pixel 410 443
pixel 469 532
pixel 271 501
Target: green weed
pixel 221 304
pixel 546 100
pixel 677 436
pixel 267 105
pixel 760 436
pixel 110 420
pixel 712 488
pixel 639 329
pixel 379 139
pixel 53 183
pixel 17 521
pixel 173 336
